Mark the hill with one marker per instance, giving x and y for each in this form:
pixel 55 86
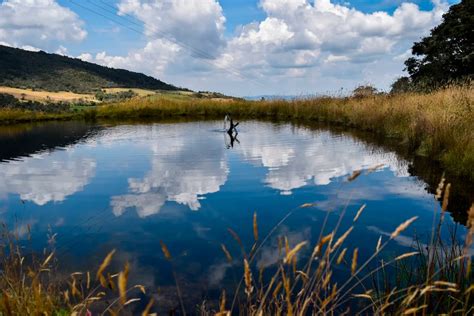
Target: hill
pixel 39 70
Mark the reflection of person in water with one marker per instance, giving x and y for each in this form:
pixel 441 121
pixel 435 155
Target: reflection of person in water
pixel 231 131
pixel 233 127
pixel 233 138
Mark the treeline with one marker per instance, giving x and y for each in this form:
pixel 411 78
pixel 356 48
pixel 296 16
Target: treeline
pixel 103 96
pixel 51 72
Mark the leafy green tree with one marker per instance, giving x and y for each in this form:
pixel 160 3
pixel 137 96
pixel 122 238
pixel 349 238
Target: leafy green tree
pixel 447 54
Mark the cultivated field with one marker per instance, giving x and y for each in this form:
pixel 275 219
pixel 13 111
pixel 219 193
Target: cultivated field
pixel 45 96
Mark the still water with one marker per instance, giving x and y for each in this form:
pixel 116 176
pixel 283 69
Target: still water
pixel 128 187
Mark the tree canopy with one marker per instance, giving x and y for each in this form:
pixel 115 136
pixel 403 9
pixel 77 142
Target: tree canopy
pixel 447 54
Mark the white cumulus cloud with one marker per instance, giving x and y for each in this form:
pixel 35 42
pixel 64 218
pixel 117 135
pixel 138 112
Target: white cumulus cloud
pixel 38 23
pixel 300 46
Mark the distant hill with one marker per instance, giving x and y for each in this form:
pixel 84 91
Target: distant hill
pixel 39 70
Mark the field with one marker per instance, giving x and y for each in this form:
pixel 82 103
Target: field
pixel 46 96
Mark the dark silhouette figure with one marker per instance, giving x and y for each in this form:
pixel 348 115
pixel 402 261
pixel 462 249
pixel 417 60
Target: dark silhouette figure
pixel 232 128
pixel 233 138
pixel 231 131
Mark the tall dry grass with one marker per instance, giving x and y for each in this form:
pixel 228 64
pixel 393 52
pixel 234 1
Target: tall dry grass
pixel 31 284
pixel 434 278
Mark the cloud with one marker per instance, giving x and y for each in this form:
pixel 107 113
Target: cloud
pixel 38 23
pixel 310 158
pixel 195 23
pixel 180 170
pixel 300 46
pixel 323 31
pixel 178 33
pixel 154 57
pixel 47 177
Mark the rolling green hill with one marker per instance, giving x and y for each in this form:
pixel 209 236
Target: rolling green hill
pixel 39 70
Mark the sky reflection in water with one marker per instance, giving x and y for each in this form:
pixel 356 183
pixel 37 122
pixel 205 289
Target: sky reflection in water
pixel 128 187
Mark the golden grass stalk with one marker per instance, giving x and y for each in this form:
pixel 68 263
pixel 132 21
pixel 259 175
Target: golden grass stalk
pixel 255 227
pixel 222 302
pixel 319 246
pixel 354 260
pixel 375 168
pixel 103 266
pixel 407 255
pixel 445 283
pixel 379 245
pixel 402 227
pixel 354 175
pixel 440 188
pixel 414 310
pixel 147 309
pixel 227 253
pixel 359 212
pixel 165 250
pixel 444 206
pixel 342 238
pixel 290 255
pixel 122 284
pixel 341 256
pixel 248 278
pixel 287 287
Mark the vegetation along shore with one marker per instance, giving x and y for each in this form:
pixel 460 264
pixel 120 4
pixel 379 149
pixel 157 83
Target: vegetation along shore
pixel 437 124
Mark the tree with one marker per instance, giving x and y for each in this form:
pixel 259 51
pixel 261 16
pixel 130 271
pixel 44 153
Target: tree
pixel 401 85
pixel 364 91
pixel 447 54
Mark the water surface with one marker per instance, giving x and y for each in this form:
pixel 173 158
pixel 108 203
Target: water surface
pixel 128 187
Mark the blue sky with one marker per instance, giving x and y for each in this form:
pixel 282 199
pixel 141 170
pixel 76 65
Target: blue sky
pixel 263 47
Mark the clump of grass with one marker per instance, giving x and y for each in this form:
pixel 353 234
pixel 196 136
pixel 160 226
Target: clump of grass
pixel 434 279
pixel 31 285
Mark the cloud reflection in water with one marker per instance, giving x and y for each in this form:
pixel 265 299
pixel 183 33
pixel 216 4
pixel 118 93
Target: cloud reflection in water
pixel 189 161
pixel 47 177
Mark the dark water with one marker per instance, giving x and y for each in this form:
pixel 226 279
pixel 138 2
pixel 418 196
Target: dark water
pixel 131 186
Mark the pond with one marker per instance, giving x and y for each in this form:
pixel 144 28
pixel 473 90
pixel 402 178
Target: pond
pixel 98 187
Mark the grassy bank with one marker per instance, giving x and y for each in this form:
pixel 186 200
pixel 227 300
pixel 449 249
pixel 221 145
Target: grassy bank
pixel 438 125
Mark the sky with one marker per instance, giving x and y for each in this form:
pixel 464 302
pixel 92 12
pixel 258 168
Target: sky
pixel 237 47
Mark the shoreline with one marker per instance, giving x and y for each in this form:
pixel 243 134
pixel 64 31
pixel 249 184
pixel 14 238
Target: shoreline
pixel 437 125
